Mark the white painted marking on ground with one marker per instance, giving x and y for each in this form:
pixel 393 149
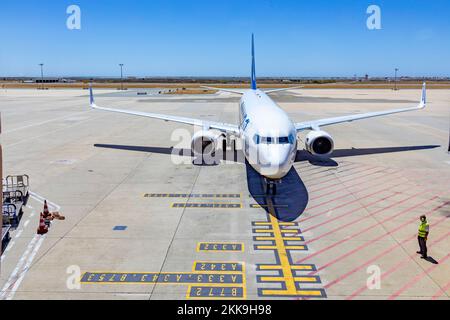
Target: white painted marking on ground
pixel 25 268
pixel 41 199
pixel 43 122
pixel 48 133
pixel 19 265
pixel 13 242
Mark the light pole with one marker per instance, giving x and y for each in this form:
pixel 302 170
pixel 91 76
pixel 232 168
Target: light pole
pixel 121 76
pixel 42 75
pixel 395 79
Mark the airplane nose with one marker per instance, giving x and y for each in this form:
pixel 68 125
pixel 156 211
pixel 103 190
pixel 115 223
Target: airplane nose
pixel 277 161
pixel 279 157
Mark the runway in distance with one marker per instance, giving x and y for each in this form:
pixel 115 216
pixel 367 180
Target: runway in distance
pixel 268 134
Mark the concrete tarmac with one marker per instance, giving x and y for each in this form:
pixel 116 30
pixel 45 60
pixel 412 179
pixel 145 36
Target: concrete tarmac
pixel 143 224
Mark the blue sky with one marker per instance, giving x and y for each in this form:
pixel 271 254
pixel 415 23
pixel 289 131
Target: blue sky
pixel 212 38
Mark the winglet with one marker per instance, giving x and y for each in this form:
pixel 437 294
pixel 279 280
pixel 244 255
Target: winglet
pixel 91 96
pixel 253 77
pixel 423 100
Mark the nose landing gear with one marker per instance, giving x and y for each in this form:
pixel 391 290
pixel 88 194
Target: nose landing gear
pixel 271 186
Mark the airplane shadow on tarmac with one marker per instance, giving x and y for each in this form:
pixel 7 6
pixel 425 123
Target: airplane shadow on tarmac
pixel 292 196
pixel 303 155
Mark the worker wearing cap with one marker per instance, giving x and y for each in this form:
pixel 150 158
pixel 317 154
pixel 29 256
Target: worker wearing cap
pixel 424 229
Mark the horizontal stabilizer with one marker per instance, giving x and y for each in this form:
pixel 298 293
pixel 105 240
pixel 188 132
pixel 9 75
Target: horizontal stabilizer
pixel 235 91
pixel 282 89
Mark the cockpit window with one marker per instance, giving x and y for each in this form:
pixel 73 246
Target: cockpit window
pixel 274 140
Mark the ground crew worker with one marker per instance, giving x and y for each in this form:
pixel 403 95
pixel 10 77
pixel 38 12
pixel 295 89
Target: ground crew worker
pixel 424 229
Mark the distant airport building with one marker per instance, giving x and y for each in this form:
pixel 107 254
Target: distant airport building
pixel 49 80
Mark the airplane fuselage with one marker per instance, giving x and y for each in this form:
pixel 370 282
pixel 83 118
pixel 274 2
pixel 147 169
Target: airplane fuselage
pixel 268 135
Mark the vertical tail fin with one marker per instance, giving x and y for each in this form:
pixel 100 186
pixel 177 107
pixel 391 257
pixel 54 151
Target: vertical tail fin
pixel 253 78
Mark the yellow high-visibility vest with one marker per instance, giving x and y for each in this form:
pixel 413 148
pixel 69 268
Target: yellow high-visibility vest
pixel 424 228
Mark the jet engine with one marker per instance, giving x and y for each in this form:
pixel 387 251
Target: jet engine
pixel 205 142
pixel 319 143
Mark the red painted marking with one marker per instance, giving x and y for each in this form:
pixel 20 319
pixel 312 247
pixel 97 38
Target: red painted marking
pixel 417 278
pixel 378 238
pixel 346 203
pixel 354 185
pixel 341 182
pixel 365 230
pixel 441 291
pixel 357 172
pixel 340 197
pixel 318 168
pixel 385 274
pixel 359 219
pixel 327 172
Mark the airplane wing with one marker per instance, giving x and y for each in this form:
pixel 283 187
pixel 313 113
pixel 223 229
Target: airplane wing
pixel 282 89
pixel 316 124
pixel 224 127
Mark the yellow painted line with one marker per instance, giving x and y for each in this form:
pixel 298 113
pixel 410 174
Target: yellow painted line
pixel 263 247
pixel 213 249
pixel 206 205
pixel 289 231
pixel 293 238
pixel 282 279
pixel 242 285
pixel 263 230
pixel 301 267
pixel 219 263
pixel 285 238
pixel 193 195
pixel 258 206
pixel 155 273
pixel 275 247
pixel 269 267
pixel 284 224
pixel 262 223
pixel 156 281
pixel 188 295
pixel 312 293
pixel 295 247
pixel 283 255
pixel 264 238
pixel 278 267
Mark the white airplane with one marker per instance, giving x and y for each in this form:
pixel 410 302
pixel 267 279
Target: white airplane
pixel 268 134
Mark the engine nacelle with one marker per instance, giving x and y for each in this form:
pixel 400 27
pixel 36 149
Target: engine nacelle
pixel 205 142
pixel 319 143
